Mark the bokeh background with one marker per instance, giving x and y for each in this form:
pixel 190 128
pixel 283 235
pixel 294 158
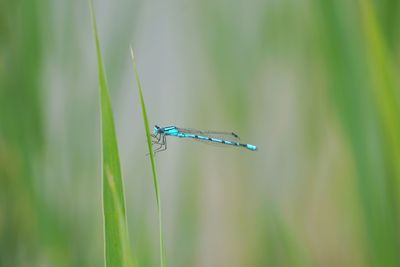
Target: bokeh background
pixel 313 83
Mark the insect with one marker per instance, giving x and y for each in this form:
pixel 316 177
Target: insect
pixel 225 138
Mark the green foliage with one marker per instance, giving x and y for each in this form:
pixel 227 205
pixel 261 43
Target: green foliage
pixel 115 226
pixel 369 111
pixel 153 163
pixel 313 83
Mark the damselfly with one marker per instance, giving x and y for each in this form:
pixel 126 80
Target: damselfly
pixel 225 138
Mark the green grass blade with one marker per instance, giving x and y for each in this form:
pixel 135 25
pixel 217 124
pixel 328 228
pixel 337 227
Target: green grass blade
pixel 153 164
pixel 115 226
pixel 124 235
pixel 385 89
pixel 384 85
pixel 347 68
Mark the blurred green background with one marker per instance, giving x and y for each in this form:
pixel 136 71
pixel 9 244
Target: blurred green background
pixel 313 83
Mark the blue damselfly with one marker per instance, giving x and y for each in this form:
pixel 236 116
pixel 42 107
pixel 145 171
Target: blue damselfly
pixel 225 138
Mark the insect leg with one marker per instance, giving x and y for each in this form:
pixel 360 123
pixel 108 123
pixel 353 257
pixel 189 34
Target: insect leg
pixel 164 143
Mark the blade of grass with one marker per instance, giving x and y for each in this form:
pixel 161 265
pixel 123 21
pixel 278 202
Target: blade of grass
pixel 347 66
pixel 128 261
pixel 385 89
pixel 384 86
pixel 153 164
pixel 115 226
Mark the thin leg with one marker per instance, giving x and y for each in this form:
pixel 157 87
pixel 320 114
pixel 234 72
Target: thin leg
pixel 159 146
pixel 156 137
pixel 156 141
pixel 159 137
pixel 164 143
pixel 157 150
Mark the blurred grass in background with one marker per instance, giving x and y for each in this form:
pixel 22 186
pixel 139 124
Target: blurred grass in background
pixel 313 83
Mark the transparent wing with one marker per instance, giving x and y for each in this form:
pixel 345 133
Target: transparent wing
pixel 227 136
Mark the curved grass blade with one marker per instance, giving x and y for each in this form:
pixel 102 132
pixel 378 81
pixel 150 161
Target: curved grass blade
pixel 116 242
pixel 124 235
pixel 385 88
pixel 384 84
pixel 153 164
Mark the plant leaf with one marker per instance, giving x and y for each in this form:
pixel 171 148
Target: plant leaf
pixel 115 226
pixel 153 163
